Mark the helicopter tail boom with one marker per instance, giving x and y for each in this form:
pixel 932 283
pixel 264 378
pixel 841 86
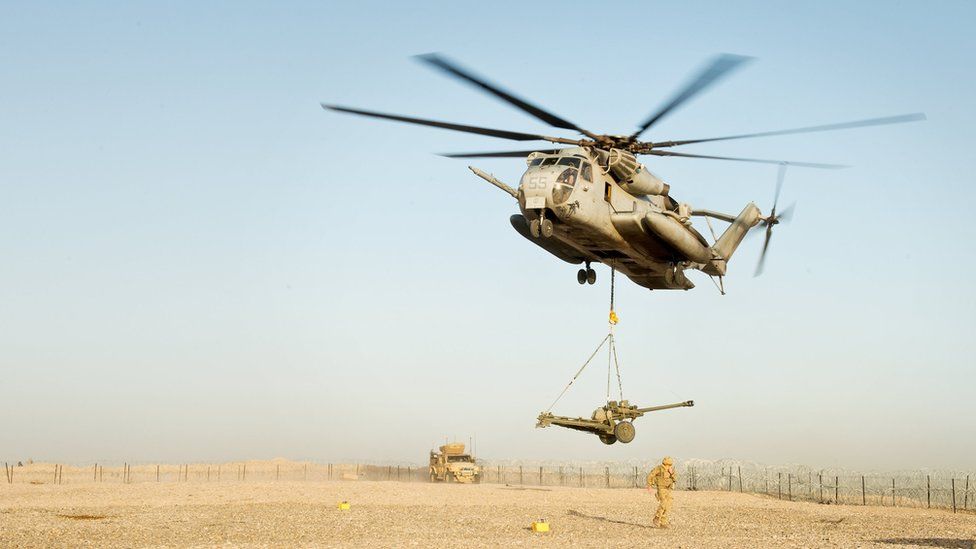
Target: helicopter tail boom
pixel 726 244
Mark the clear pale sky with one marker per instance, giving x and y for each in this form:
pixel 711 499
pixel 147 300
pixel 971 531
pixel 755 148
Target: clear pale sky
pixel 199 263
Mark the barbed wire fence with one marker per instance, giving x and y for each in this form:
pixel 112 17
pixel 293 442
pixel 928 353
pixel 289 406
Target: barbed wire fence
pixel 926 489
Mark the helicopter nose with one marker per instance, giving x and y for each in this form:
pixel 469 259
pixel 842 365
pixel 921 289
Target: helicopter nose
pixel 535 186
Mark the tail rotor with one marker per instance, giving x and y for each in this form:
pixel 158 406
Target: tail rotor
pixel 774 218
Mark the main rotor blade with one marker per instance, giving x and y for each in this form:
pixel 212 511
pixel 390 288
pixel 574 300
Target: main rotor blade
pixel 498 154
pixel 454 70
pixel 900 119
pixel 656 152
pixel 719 67
pixel 504 134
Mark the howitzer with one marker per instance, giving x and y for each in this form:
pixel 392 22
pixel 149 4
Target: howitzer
pixel 611 423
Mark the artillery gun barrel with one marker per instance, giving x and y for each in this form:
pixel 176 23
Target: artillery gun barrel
pixel 666 406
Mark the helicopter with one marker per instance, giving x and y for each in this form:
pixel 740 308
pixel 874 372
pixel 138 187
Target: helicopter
pixel 593 201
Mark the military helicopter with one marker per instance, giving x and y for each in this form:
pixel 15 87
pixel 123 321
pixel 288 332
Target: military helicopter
pixel 595 202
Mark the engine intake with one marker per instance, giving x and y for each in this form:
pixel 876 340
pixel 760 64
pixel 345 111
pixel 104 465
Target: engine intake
pixel 632 176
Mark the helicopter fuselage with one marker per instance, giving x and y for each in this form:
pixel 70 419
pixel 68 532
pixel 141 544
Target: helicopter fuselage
pixel 593 219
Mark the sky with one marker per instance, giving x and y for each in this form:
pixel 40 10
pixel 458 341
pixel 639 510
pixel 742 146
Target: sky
pixel 201 264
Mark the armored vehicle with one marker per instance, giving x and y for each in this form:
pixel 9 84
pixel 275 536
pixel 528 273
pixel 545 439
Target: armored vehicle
pixel 451 464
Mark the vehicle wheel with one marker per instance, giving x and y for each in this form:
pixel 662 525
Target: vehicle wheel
pixel 581 276
pixel 547 228
pixel 591 276
pixel 607 439
pixel 534 228
pixel 624 431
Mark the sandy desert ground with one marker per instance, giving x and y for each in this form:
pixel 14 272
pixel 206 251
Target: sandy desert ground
pixel 395 514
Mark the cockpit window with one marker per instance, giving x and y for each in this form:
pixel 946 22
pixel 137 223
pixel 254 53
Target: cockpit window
pixel 568 177
pixel 587 172
pixel 535 162
pixel 569 161
pixel 549 161
pixel 564 185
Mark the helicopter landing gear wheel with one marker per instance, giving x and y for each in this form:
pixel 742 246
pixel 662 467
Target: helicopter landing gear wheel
pixel 590 276
pixel 581 276
pixel 546 228
pixel 607 439
pixel 534 228
pixel 624 431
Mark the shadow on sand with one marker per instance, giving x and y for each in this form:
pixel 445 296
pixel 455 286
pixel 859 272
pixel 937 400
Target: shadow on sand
pixel 573 513
pixel 946 543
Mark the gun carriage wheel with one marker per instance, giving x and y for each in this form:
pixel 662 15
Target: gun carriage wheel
pixel 607 439
pixel 624 431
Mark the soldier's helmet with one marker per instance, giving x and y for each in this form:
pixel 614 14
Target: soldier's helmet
pixel 668 461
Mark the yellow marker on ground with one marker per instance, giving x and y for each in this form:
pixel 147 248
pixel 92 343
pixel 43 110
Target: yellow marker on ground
pixel 540 526
pixel 344 505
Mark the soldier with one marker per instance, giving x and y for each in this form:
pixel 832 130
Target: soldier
pixel 663 478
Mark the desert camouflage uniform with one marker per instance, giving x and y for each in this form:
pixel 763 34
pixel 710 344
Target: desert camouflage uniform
pixel 663 479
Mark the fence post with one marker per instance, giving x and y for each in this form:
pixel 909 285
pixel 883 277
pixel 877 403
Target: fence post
pixel 740 479
pixel 928 490
pixel 607 469
pixel 766 479
pixel 810 484
pixel 953 495
pixel 244 473
pixel 892 491
pixel 820 477
pixel 499 474
pixel 789 485
pixel 864 498
pixel 562 479
pixel 208 473
pixel 694 480
pixel 157 473
pixel 635 476
pixel 836 489
pixel 730 478
pixel 779 485
pixel 520 475
pixel 965 498
pixel 540 476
